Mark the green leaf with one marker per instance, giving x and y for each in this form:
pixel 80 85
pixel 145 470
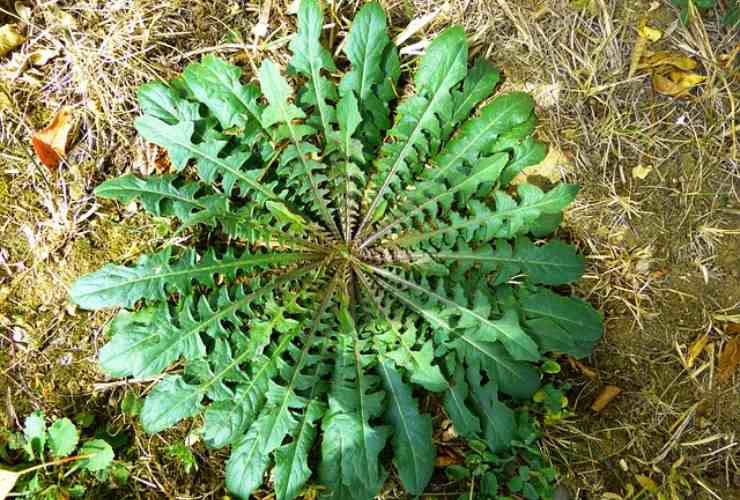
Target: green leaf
pixel 305 173
pixel 34 432
pixel 309 58
pixel 465 422
pixel 291 460
pixel 350 464
pixel 154 276
pixel 365 46
pixel 158 195
pixel 178 141
pixel 63 437
pixel 248 462
pixel 419 113
pixel 414 452
pixel 171 401
pixel 99 455
pixel 161 101
pixel 216 84
pixel 507 220
pixel 372 75
pixel 562 324
pixel 146 342
pixel 477 86
pixel 497 419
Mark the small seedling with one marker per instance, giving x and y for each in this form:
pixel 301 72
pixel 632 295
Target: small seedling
pixel 519 471
pixel 44 447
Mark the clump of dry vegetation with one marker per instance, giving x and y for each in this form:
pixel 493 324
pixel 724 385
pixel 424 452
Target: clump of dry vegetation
pixel 658 217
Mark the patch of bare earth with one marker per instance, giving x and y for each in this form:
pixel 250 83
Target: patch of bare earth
pixel 662 250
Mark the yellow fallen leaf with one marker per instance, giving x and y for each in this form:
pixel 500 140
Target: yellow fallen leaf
pixel 10 38
pixel 677 84
pixel 729 359
pixel 7 481
pixel 649 34
pixel 696 348
pixel 646 483
pixel 641 171
pixel 50 143
pixel 666 58
pixel 605 396
pixel 42 56
pixel 23 11
pixel 590 5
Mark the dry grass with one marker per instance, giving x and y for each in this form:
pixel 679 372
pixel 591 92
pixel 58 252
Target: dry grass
pixel 662 251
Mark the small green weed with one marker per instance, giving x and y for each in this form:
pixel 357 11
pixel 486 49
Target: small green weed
pixel 519 471
pixel 730 18
pixel 26 456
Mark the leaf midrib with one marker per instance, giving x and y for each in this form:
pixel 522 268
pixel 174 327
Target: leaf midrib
pixel 418 236
pixel 418 128
pixel 267 259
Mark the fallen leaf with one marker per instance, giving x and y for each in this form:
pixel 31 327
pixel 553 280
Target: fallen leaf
pixel 590 5
pixel 10 38
pixel 553 168
pixel 445 460
pixel 415 26
pixel 650 34
pixel 585 370
pixel 696 348
pixel 646 35
pixel 641 171
pixel 7 481
pixel 42 56
pixel 677 84
pixel 651 60
pixel 646 483
pixel 605 396
pixel 729 359
pixel 50 143
pixel 732 328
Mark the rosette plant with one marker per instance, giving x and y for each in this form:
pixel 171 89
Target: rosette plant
pixel 352 245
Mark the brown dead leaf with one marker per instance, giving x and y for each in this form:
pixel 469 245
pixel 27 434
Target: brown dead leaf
pixel 729 359
pixel 10 38
pixel 696 348
pixel 732 328
pixel 415 26
pixel 605 396
pixel 585 370
pixel 50 143
pixel 445 460
pixel 7 481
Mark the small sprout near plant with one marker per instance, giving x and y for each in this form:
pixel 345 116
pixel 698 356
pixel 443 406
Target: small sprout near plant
pixel 27 457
